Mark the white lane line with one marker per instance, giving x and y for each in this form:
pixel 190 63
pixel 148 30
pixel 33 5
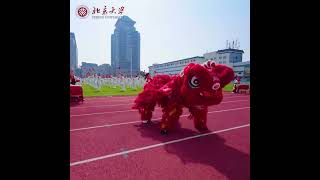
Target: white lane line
pixel 157 119
pixel 107 125
pixel 107 100
pixel 101 113
pixel 154 146
pixel 131 104
pixel 101 106
pixel 108 112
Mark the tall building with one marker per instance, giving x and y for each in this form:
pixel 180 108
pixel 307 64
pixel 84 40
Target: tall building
pixel 125 47
pixel 73 52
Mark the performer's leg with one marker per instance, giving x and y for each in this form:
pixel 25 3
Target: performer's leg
pixel 146 115
pixel 170 118
pixel 234 88
pixel 173 117
pixel 199 116
pixel 164 124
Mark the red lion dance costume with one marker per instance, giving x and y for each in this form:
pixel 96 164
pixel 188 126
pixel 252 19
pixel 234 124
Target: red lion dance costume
pixel 196 88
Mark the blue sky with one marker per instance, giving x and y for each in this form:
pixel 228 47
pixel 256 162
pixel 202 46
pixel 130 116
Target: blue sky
pixel 169 29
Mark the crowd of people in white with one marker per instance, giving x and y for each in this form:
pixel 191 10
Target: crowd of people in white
pixel 123 82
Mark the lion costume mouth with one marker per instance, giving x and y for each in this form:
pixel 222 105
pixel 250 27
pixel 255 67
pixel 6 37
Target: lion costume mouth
pixel 210 95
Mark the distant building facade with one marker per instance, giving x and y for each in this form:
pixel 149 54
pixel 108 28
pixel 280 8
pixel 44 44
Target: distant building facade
pixel 242 69
pixel 92 68
pixel 125 47
pixel 104 69
pixel 225 56
pixel 174 67
pixel 88 68
pixel 73 52
pixel 232 58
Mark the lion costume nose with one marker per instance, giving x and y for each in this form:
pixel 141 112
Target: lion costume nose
pixel 216 86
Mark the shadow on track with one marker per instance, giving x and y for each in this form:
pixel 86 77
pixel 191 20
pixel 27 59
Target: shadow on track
pixel 209 150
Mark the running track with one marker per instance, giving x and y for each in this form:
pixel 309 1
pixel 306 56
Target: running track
pixel 109 142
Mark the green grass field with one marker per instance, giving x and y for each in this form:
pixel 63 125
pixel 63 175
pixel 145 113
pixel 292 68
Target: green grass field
pixel 228 87
pixel 90 91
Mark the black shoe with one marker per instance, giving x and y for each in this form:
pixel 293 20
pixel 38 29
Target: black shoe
pixel 202 129
pixel 164 132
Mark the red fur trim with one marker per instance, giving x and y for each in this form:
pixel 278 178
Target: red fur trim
pixel 225 73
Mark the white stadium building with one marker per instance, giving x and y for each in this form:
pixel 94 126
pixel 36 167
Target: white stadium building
pixel 230 57
pixel 174 67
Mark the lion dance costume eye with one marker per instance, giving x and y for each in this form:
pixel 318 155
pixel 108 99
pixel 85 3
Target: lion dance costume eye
pixel 194 82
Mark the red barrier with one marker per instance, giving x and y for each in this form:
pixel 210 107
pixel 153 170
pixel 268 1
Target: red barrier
pixel 240 88
pixel 243 88
pixel 76 93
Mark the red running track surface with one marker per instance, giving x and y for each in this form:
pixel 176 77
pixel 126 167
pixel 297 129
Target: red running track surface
pixel 221 155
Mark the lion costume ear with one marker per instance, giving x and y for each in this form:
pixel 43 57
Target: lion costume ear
pixel 186 69
pixel 209 64
pixel 225 74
